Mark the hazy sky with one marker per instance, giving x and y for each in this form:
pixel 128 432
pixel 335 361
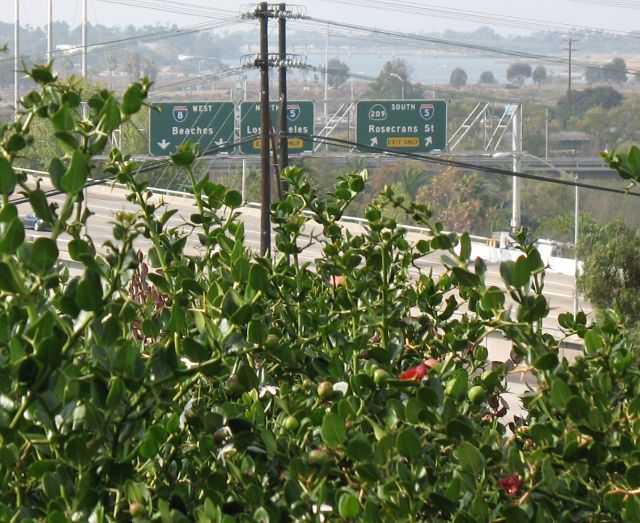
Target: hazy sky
pixel 571 12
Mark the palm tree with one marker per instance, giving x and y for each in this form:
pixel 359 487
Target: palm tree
pixel 411 180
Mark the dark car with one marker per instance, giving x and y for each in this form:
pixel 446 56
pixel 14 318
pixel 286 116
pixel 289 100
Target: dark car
pixel 31 221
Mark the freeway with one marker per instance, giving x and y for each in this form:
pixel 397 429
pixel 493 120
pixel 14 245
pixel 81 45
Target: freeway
pixel 104 201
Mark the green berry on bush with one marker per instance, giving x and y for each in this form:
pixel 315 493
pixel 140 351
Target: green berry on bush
pixel 325 389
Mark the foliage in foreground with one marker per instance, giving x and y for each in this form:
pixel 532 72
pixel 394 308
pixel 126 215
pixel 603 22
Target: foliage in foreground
pixel 225 386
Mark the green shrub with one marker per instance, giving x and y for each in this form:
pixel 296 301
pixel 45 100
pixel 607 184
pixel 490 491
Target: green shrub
pixel 233 387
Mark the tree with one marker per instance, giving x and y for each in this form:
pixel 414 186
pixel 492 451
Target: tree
pixel 458 78
pixel 338 73
pixel 518 72
pixel 611 272
pixel 585 99
pixel 615 71
pixel 486 77
pixel 132 65
pixel 457 199
pixel 387 84
pixel 594 74
pixel 149 69
pixel 111 63
pixel 539 74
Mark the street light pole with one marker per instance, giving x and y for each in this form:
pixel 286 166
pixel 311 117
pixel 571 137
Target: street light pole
pixel 394 75
pixel 576 232
pixel 84 39
pixel 516 148
pixel 16 44
pixel 50 32
pixel 283 139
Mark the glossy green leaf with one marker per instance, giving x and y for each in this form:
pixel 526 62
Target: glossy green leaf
pixel 71 98
pixel 38 200
pixel 56 172
pixel 465 278
pixel 577 407
pixel 11 231
pixel 80 250
pixel 465 246
pixel 560 393
pixel 76 451
pixel 8 178
pixel 470 458
pixel 548 361
pixel 76 175
pixel 258 277
pixel 348 506
pixel 257 332
pixel 194 350
pixel 633 476
pixel 333 430
pixel 592 342
pixel 506 271
pixel 132 99
pixel 521 272
pixel 7 281
pixel 408 444
pixel 62 119
pixel 67 142
pixel 88 295
pixel 184 157
pixel 16 142
pixel 631 511
pixel 44 255
pixel 109 116
pixel 37 469
pixel 42 74
pixel 151 328
pixel 233 199
pixel 633 160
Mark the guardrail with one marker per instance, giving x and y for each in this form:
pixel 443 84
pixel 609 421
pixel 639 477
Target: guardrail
pixel 487 248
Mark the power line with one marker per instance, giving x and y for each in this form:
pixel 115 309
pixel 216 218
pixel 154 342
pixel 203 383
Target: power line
pixel 121 42
pixel 485 18
pixel 609 3
pixel 348 144
pixel 397 36
pixel 173 7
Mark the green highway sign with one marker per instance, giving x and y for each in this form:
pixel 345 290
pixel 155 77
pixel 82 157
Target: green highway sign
pixel 402 125
pixel 300 120
pixel 210 124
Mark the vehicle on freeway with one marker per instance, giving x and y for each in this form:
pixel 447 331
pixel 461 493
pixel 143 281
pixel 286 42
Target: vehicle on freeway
pixel 31 221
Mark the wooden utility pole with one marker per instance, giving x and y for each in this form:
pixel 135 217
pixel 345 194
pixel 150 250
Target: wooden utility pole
pixel 571 49
pixel 16 59
pixel 283 139
pixel 50 32
pixel 84 39
pixel 262 13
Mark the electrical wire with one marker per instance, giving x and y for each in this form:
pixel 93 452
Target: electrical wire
pixel 123 42
pixel 486 18
pixel 173 7
pixel 609 3
pixel 348 144
pixel 165 162
pixel 401 37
